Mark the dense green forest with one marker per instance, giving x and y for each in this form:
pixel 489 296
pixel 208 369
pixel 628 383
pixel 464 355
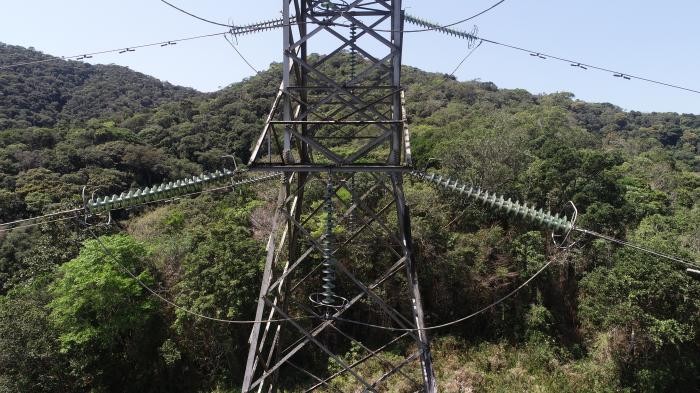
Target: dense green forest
pixel 601 319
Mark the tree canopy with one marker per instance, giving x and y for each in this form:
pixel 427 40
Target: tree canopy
pixel 601 318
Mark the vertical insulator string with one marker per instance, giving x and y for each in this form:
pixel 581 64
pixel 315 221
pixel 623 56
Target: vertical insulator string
pixel 353 51
pixel 352 220
pixel 328 259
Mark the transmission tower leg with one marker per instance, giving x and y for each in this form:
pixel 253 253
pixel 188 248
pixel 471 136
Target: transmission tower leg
pixel 423 343
pixel 325 131
pixel 254 359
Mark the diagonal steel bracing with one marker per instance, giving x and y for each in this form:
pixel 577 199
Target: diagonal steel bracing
pixel 339 135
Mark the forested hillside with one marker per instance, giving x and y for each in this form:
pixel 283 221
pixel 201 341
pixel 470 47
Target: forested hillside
pixel 44 94
pixel 602 318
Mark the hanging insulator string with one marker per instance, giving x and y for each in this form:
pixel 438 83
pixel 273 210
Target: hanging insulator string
pixel 353 51
pixel 328 259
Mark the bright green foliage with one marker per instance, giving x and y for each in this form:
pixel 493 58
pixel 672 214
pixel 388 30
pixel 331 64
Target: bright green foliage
pixel 94 302
pixel 97 310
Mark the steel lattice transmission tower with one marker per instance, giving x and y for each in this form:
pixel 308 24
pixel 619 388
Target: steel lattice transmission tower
pixel 337 129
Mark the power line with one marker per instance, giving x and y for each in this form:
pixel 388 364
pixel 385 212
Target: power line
pixel 240 54
pixel 543 55
pixel 108 253
pixel 520 287
pixel 429 26
pixel 170 195
pixel 236 30
pixel 456 321
pixel 637 247
pixel 411 19
pixel 33 220
pixel 522 210
pixel 195 16
pixel 468 55
pixel 455 23
pixel 583 65
pixel 281 24
pixel 454 71
pixel 33 224
pixel 118 50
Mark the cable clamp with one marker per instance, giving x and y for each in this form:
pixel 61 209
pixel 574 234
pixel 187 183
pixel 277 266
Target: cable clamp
pixel 566 243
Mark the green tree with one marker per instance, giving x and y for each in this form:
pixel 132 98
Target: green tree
pixel 98 311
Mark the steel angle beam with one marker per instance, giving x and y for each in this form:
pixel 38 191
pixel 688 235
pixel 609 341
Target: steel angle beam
pixel 341 133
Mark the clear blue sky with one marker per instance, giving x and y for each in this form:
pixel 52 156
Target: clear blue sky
pixel 656 39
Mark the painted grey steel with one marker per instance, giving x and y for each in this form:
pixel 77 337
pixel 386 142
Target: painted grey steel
pixel 342 130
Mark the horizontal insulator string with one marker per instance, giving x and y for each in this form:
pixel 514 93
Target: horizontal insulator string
pixel 540 217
